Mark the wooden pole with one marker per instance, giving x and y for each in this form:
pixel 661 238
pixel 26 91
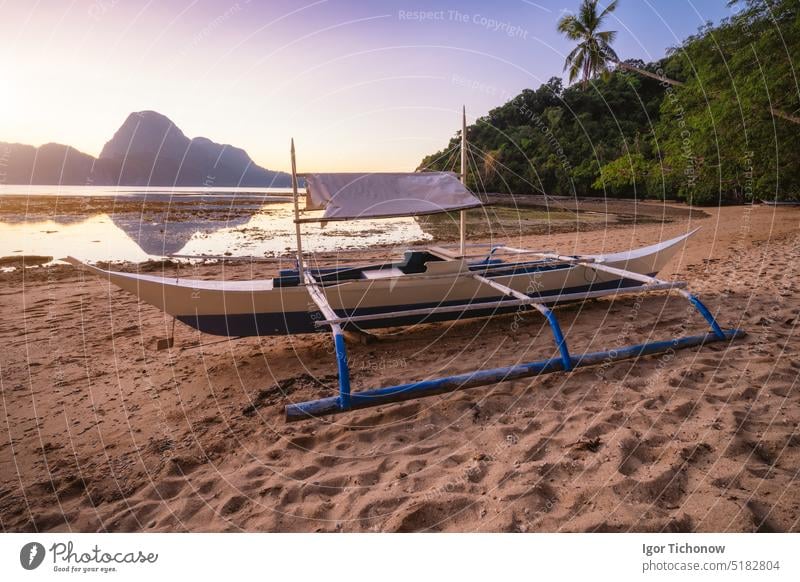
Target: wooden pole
pixel 300 267
pixel 463 216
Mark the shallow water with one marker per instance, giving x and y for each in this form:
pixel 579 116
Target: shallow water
pixel 136 224
pixel 94 225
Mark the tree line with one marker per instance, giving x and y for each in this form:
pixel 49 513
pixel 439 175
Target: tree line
pixel 714 121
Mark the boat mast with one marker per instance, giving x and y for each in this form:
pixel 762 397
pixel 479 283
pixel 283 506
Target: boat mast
pixel 300 268
pixel 463 216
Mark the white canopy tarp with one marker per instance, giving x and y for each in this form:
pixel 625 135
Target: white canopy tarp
pixel 385 195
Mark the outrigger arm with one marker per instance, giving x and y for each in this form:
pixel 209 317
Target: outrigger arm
pixel 340 347
pixel 346 400
pixel 561 344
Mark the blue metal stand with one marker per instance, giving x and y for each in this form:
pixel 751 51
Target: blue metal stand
pixel 351 401
pixel 705 313
pixel 561 343
pixel 344 369
pixel 369 398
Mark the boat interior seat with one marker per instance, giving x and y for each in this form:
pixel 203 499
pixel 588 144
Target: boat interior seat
pixel 413 262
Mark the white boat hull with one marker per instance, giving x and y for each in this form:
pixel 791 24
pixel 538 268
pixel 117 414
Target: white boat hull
pixel 280 306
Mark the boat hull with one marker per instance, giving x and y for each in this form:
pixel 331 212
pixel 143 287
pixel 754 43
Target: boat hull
pixel 299 322
pixel 262 308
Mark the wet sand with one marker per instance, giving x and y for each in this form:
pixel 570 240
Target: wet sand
pixel 102 432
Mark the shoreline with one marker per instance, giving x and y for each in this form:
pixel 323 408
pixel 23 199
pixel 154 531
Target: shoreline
pixel 503 220
pixel 125 437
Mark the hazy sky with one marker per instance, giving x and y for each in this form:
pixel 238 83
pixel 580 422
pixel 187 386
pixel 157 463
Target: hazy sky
pixel 359 85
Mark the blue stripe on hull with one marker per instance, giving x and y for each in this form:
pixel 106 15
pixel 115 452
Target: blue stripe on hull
pixel 297 322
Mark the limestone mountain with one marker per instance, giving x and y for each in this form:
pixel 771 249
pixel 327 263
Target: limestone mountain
pixel 147 150
pixel 50 164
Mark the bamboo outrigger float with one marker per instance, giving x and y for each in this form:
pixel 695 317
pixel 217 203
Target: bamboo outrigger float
pixel 434 284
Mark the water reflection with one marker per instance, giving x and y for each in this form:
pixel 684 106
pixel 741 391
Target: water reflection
pixel 95 238
pixel 136 232
pixel 134 224
pixel 162 236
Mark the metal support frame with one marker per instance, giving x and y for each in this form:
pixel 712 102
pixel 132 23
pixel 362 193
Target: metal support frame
pixel 462 217
pixel 340 347
pixel 561 344
pixel 696 303
pixel 484 305
pixel 346 400
pixel 369 398
pixel 298 233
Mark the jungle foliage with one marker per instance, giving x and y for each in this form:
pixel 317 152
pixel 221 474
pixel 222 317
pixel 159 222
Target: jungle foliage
pixel 723 130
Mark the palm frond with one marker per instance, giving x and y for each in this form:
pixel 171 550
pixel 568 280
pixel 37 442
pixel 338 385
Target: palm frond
pixel 587 14
pixel 577 65
pixel 609 9
pixel 572 56
pixel 571 27
pixel 607 36
pixel 609 52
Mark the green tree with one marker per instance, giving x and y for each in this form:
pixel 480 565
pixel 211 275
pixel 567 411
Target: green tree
pixel 594 53
pixel 626 176
pixel 726 135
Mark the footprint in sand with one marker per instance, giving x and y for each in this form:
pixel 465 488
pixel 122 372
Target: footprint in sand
pixel 234 505
pixel 166 489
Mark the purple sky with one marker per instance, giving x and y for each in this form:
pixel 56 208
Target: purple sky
pixel 359 85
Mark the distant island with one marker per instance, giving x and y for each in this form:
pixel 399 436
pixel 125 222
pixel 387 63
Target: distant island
pixel 147 150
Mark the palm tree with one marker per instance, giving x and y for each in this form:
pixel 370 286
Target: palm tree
pixel 593 54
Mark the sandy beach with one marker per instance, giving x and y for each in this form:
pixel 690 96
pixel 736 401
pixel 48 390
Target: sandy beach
pixel 103 432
